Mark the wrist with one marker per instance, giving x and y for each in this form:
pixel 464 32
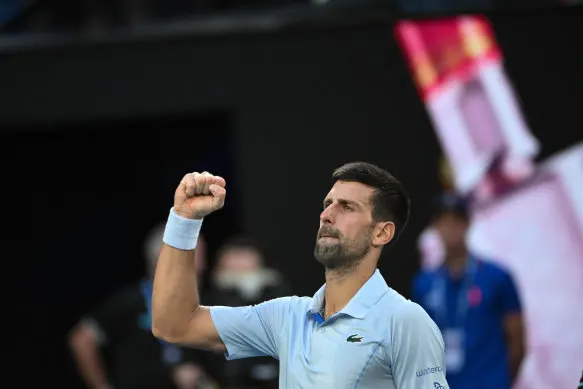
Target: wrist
pixel 181 232
pixel 185 215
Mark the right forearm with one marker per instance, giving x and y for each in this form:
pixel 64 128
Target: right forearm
pixel 175 297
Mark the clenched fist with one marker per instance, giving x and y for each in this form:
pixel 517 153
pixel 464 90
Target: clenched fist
pixel 199 194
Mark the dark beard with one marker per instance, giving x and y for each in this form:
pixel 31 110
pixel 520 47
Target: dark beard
pixel 342 255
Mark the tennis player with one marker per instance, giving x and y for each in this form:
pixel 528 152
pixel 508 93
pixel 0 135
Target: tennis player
pixel 355 332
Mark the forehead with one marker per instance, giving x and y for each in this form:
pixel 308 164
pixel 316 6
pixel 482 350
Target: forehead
pixel 240 255
pixel 350 191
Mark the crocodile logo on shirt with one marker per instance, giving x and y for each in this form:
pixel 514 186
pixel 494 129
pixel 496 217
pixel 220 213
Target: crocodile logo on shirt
pixel 354 338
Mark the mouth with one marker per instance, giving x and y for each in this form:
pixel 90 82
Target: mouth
pixel 327 234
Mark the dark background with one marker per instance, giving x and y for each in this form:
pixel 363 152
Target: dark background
pixel 95 136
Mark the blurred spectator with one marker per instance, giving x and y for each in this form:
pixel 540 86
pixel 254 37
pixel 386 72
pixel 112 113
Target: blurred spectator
pixel 114 346
pixel 240 278
pixel 581 382
pixel 476 306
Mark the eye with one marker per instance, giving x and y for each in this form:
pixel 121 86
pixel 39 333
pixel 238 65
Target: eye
pixel 347 207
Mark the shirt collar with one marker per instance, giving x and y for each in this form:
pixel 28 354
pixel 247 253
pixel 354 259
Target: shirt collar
pixel 366 297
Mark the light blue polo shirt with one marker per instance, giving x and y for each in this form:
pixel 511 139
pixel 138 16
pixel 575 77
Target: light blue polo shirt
pixel 379 340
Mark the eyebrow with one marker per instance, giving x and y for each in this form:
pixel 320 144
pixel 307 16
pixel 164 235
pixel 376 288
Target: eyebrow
pixel 343 202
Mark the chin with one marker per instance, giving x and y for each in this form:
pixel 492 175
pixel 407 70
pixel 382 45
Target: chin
pixel 324 256
pixel 331 260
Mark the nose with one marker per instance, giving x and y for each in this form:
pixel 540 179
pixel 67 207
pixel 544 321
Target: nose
pixel 326 217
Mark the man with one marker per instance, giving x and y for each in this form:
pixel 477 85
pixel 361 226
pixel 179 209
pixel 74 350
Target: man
pixel 476 306
pixel 354 332
pixel 114 347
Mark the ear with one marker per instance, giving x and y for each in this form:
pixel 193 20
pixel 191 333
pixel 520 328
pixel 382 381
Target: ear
pixel 384 233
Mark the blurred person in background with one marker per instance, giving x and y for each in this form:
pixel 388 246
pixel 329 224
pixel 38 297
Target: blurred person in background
pixel 476 305
pixel 114 348
pixel 241 278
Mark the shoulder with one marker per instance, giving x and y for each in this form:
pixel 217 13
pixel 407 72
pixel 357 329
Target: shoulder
pixel 407 329
pixel 410 314
pixel 289 305
pixel 493 269
pixel 298 305
pixel 122 305
pixel 423 278
pixel 129 295
pixel 425 274
pixel 406 316
pixel 134 290
pixel 293 302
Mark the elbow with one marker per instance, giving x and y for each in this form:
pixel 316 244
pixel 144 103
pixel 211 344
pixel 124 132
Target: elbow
pixel 160 330
pixel 166 332
pixel 163 335
pixel 158 333
pixel 81 338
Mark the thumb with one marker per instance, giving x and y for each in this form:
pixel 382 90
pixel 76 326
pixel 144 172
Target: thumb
pixel 219 194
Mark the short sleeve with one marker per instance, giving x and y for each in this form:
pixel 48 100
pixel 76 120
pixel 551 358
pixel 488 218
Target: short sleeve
pixel 418 353
pixel 111 318
pixel 509 299
pixel 252 331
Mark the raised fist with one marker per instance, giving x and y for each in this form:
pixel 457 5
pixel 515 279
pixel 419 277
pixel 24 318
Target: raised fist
pixel 199 194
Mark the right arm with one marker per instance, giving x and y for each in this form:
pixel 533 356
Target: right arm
pixel 177 315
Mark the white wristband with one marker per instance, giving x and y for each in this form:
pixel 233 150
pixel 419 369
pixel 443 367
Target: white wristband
pixel 181 233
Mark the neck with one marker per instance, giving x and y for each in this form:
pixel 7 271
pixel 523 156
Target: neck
pixel 342 285
pixel 455 261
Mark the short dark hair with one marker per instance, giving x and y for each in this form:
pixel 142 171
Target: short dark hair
pixel 451 203
pixel 390 201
